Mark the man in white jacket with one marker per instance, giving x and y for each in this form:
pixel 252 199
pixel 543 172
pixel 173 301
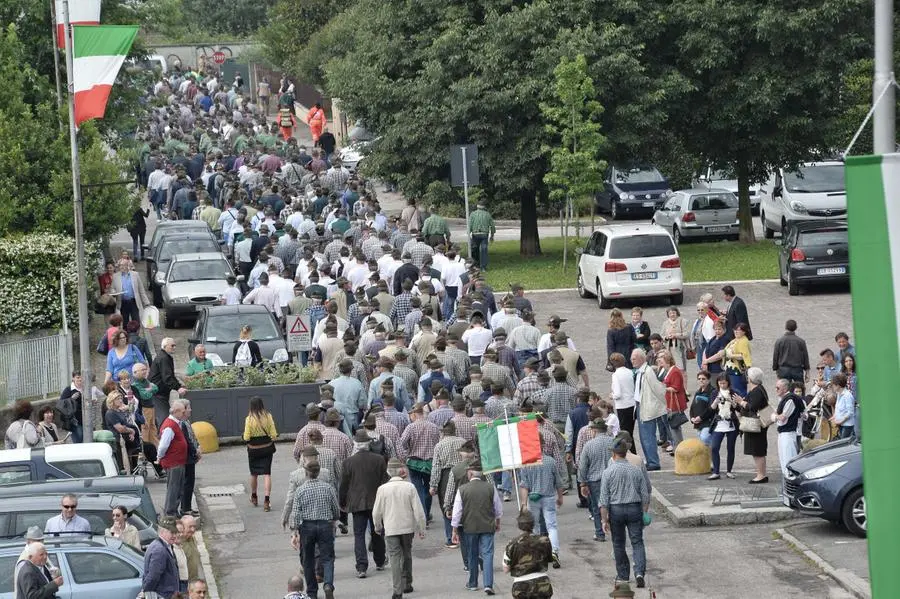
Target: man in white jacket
pixel 650 397
pixel 398 516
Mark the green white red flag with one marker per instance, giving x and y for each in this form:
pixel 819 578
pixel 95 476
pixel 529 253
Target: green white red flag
pixel 509 444
pixel 98 53
pixel 81 12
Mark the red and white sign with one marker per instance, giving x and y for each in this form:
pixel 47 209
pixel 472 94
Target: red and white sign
pixel 81 12
pixel 299 333
pixel 219 57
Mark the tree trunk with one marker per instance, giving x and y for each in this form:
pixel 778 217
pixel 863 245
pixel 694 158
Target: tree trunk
pixel 529 241
pixel 744 213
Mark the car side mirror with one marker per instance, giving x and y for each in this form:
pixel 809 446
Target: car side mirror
pixel 777 192
pixel 578 251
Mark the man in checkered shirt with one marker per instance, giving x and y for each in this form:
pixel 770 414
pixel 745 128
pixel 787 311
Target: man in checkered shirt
pixel 312 415
pixel 446 456
pixel 391 415
pixel 372 245
pixel 419 250
pixel 400 237
pixel 312 528
pixel 333 438
pixel 498 404
pixel 456 361
pixel 473 390
pixel 416 448
pixel 402 306
pixel 529 384
pixel 405 372
pixel 333 249
pixel 465 427
pixel 337 176
pixel 559 398
pixel 490 369
pixel 555 446
pixel 382 426
pixel 326 457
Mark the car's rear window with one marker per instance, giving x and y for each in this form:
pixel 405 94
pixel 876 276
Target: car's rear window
pixel 187 246
pixel 641 246
pixel 82 468
pixel 717 201
pixel 827 237
pixel 227 327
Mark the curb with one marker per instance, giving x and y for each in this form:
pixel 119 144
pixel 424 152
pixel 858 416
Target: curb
pixel 683 519
pixel 209 575
pixel 849 581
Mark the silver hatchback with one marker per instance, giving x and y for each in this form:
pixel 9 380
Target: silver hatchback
pixel 700 213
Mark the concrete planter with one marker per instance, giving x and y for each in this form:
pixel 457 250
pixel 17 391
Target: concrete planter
pixel 226 409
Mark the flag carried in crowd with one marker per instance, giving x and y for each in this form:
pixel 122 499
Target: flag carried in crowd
pixel 511 443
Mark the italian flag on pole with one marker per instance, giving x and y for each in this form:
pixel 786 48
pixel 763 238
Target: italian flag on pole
pixel 873 207
pixel 98 54
pixel 509 444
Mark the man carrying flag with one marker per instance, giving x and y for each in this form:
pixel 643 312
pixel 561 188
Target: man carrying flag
pixel 541 489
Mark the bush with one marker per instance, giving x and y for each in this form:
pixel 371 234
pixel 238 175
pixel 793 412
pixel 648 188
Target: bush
pixel 30 268
pixel 271 374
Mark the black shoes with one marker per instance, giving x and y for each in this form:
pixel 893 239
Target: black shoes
pixel 763 480
pixel 639 581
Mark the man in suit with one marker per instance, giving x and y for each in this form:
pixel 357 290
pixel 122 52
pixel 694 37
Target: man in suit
pixel 737 312
pixel 32 576
pixel 160 567
pixel 363 473
pixel 162 374
pixel 128 289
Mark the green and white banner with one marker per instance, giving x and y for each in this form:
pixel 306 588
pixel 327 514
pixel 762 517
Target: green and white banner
pixel 873 203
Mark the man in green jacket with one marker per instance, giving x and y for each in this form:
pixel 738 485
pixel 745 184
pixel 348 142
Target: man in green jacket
pixel 482 230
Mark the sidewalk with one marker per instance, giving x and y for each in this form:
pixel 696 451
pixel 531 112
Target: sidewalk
pixel 841 555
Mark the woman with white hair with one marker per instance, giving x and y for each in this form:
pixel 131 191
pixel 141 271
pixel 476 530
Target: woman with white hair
pixel 755 444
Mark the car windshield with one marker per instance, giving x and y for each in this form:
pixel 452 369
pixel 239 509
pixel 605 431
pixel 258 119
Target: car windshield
pixel 199 270
pixel 639 175
pixel 818 178
pixel 714 201
pixel 641 246
pixel 186 246
pixel 722 176
pixel 826 237
pixel 225 328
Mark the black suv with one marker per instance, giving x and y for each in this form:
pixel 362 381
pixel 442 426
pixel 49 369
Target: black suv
pixel 814 253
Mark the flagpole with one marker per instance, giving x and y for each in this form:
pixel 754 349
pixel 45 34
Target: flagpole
pixel 84 348
pixel 56 60
pixel 514 474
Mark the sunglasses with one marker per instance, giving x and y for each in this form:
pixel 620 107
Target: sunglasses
pixel 69 507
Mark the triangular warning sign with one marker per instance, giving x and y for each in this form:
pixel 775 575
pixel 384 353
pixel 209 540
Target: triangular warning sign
pixel 298 328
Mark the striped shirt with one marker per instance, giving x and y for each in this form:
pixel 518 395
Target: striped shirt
pixel 594 458
pixel 623 483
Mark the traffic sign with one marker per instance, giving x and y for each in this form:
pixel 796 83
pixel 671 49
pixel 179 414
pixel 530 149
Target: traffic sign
pixel 299 333
pixel 219 57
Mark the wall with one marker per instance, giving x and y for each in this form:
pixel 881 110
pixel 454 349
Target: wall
pixel 189 54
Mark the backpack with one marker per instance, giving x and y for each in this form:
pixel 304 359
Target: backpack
pixel 379 447
pixel 243 356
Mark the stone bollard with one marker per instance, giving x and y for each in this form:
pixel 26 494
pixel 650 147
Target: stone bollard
pixel 207 436
pixel 692 456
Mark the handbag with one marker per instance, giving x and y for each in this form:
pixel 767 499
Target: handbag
pixel 677 419
pixel 103 346
pixel 765 416
pixel 750 424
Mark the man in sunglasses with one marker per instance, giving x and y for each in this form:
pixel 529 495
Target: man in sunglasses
pixel 68 521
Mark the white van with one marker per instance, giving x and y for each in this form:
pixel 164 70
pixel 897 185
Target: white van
pixel 815 191
pixel 76 460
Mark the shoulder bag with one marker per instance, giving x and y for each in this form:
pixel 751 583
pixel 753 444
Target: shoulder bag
pixel 750 424
pixel 677 419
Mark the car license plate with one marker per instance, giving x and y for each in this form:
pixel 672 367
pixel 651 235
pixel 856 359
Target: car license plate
pixel 786 500
pixel 837 270
pixel 649 204
pixel 717 229
pixel 642 276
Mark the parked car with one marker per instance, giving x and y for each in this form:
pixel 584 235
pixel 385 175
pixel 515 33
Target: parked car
pixel 636 190
pixel 719 179
pixel 814 253
pixel 219 327
pixel 168 226
pixel 190 242
pixel 699 214
pixel 77 460
pixel 192 282
pixel 94 567
pixel 630 261
pixel 815 191
pixel 133 486
pixel 17 514
pixel 354 154
pixel 827 482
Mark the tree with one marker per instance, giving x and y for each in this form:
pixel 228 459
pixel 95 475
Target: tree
pixel 576 171
pixel 291 24
pixel 764 81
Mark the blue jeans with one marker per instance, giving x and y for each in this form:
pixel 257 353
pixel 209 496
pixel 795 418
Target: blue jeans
pixel 448 529
pixel 422 483
pixel 705 436
pixel 647 432
pixel 662 426
pixel 78 433
pixel 317 533
pixel 716 445
pixel 546 506
pixel 630 517
pixel 480 250
pixel 522 356
pixel 481 545
pixel 594 507
pixel 700 351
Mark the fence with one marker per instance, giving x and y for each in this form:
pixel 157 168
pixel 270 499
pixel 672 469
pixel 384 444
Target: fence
pixel 38 367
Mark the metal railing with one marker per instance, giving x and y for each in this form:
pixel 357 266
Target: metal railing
pixel 39 367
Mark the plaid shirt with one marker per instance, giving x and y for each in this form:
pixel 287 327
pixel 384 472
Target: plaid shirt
pixel 506 356
pixel 479 419
pixel 398 419
pixel 494 406
pixel 354 233
pixel 555 446
pixel 465 426
pixel 543 479
pixel 497 373
pixel 481 223
pixel 336 178
pixel 527 387
pixel 472 391
pixel 623 483
pixel 410 379
pixel 390 432
pixel 303 437
pixel 594 458
pixel 419 251
pixel 524 337
pixel 441 416
pixel 287 250
pixel 446 455
pixel 584 435
pixel 371 248
pixel 456 365
pixel 399 239
pixel 559 401
pixel 195 213
pixel 401 308
pixel 314 500
pixel 418 440
pixel 328 460
pixel 285 213
pixel 333 251
pixel 338 442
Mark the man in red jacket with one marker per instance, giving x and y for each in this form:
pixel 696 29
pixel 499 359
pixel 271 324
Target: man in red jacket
pixel 172 455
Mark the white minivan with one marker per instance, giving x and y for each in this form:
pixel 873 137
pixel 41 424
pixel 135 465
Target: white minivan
pixel 630 261
pixel 815 191
pixel 69 460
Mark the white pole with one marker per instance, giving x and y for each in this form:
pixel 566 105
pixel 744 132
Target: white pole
pixel 62 303
pixel 883 125
pixel 514 472
pixel 466 196
pixel 84 344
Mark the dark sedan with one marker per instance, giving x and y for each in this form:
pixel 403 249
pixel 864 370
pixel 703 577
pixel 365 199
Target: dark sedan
pixel 827 482
pixel 219 327
pixel 814 253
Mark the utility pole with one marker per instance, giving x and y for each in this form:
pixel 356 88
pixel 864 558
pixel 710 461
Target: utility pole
pixel 883 125
pixel 84 344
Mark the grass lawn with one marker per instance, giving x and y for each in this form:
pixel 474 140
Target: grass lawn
pixel 706 261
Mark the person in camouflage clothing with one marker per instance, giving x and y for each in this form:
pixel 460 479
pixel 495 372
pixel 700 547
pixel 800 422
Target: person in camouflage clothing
pixel 526 559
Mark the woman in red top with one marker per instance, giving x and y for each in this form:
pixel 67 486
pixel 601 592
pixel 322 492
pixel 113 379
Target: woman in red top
pixel 676 396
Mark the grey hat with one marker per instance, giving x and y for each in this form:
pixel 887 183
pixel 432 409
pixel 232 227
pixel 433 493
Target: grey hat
pixel 34 533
